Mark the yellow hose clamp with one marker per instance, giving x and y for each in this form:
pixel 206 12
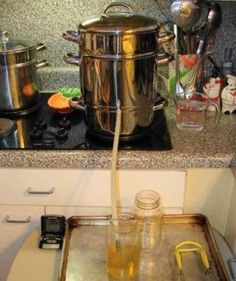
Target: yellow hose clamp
pixel 191 246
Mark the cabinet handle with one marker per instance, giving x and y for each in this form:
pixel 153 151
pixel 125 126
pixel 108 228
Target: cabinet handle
pixel 30 191
pixel 9 220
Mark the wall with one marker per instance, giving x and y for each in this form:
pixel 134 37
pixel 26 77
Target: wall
pixel 46 20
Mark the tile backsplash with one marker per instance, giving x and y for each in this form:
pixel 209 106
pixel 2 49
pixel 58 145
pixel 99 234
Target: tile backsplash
pixel 46 20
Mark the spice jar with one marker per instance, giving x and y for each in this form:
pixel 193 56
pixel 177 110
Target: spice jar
pixel 148 210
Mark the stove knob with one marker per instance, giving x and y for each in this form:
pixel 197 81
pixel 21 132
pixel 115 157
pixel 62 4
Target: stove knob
pixel 41 124
pixel 61 134
pixel 65 123
pixel 36 134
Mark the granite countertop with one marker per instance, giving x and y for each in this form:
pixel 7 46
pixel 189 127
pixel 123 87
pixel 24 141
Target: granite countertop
pixel 215 147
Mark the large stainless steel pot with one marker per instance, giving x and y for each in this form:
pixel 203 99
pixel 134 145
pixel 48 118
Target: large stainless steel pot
pixel 118 58
pixel 18 77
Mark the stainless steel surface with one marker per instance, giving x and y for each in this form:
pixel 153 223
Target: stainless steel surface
pixel 213 22
pixel 83 255
pixel 232 267
pixel 118 58
pixel 7 126
pixel 48 192
pixel 185 13
pixel 9 220
pixel 119 22
pixel 204 6
pixel 18 77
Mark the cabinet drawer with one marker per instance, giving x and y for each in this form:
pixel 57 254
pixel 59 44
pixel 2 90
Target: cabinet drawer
pixel 16 222
pixel 80 187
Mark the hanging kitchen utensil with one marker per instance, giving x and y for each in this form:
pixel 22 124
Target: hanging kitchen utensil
pixel 213 22
pixel 185 14
pixel 204 7
pixel 178 88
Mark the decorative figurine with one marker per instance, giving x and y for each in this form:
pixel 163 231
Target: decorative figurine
pixel 228 95
pixel 212 89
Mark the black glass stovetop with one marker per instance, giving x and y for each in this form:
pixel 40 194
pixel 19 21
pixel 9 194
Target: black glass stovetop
pixel 47 129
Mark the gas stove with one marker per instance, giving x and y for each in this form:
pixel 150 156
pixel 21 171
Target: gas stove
pixel 47 129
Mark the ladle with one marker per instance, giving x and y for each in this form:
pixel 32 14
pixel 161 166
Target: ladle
pixel 213 22
pixel 203 17
pixel 185 13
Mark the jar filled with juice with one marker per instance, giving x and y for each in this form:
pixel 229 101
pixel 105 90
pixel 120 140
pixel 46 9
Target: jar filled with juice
pixel 123 248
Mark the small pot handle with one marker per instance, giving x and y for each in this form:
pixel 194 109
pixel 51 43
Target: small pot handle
pixel 165 36
pixel 77 103
pixel 3 35
pixel 72 58
pixel 40 47
pixel 117 4
pixel 73 36
pixel 41 63
pixel 160 104
pixel 164 58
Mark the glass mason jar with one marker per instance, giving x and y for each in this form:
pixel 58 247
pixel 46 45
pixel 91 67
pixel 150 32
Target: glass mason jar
pixel 123 248
pixel 148 210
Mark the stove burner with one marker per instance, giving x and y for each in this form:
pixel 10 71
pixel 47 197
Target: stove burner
pixel 47 129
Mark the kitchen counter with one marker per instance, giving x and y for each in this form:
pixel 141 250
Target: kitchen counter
pixel 214 147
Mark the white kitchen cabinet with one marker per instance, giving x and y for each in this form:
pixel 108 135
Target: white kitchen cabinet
pixel 16 222
pixel 78 187
pixel 230 230
pixel 212 192
pixel 77 192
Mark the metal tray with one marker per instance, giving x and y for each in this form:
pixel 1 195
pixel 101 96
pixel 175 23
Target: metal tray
pixel 83 256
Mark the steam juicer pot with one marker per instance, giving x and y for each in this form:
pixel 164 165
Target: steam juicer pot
pixel 118 59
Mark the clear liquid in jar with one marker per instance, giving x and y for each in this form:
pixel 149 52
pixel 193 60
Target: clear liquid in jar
pixel 190 115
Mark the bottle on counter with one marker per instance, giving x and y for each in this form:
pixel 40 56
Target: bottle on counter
pixel 147 207
pixel 227 64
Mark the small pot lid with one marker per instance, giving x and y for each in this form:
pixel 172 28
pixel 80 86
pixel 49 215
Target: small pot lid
pixel 7 126
pixel 119 22
pixel 7 45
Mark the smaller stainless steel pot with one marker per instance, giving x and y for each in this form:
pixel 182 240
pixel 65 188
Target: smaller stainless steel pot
pixel 18 75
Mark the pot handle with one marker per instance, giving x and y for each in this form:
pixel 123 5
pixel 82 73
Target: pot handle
pixel 160 103
pixel 165 36
pixel 41 63
pixel 73 36
pixel 40 47
pixel 164 58
pixel 77 103
pixel 3 35
pixel 115 4
pixel 72 59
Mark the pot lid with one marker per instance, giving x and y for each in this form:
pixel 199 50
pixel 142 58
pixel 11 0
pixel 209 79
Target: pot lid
pixel 119 22
pixel 15 45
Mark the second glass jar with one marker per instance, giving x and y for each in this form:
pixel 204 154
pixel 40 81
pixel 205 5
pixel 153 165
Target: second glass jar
pixel 147 207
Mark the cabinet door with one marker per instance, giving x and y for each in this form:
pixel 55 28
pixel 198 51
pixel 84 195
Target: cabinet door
pixel 16 222
pixel 209 192
pixel 80 187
